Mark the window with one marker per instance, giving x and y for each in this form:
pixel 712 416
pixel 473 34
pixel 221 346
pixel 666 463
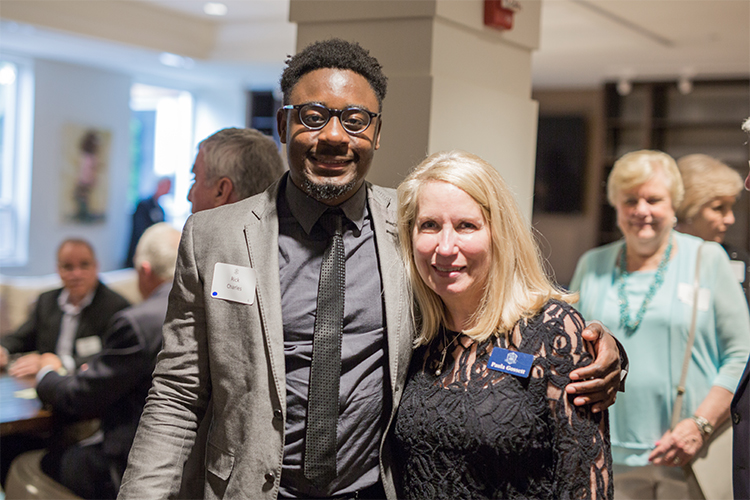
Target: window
pixel 16 118
pixel 161 146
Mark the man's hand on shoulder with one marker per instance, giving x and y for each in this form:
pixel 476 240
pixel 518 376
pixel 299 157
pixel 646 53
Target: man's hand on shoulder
pixel 597 384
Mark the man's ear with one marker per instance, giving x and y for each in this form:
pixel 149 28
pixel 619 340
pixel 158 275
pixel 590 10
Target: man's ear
pixel 281 124
pixel 223 191
pixel 377 133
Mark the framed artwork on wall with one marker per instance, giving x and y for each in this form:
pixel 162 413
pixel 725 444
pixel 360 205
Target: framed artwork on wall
pixel 84 174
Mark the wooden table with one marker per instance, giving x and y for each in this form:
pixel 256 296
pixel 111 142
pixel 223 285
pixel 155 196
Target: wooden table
pixel 19 415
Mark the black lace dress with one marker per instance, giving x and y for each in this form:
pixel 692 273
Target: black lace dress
pixel 473 432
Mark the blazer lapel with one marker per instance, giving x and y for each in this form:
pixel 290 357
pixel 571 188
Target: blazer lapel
pixel 397 306
pixel 262 237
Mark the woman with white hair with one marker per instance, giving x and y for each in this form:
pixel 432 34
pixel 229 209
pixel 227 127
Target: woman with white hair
pixel 641 287
pixel 484 413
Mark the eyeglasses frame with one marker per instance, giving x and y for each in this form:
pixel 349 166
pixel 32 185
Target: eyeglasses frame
pixel 331 113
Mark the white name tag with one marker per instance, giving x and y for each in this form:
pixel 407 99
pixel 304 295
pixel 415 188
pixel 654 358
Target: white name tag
pixel 739 269
pixel 88 346
pixel 685 294
pixel 234 283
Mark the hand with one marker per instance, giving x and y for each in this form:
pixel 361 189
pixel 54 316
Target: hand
pixel 677 447
pixel 26 366
pixel 4 358
pixel 50 360
pixel 601 379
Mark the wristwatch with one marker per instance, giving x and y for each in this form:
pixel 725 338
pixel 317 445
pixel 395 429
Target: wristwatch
pixel 703 425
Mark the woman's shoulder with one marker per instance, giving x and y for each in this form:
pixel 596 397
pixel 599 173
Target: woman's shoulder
pixel 693 242
pixel 689 245
pixel 603 254
pixel 558 327
pixel 558 317
pixel 559 305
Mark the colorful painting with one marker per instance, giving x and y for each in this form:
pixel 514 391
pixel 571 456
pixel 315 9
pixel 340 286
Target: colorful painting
pixel 85 174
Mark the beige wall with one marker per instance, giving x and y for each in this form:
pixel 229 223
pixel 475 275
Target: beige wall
pixel 564 238
pixel 453 83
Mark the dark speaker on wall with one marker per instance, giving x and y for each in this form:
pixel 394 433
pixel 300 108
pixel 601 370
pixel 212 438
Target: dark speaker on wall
pixel 261 112
pixel 560 164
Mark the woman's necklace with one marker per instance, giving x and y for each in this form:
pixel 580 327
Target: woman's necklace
pixel 445 351
pixel 625 322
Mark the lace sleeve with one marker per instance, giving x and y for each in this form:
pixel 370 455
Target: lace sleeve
pixel 583 460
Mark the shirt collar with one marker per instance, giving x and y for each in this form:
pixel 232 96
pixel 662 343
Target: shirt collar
pixel 307 210
pixel 62 301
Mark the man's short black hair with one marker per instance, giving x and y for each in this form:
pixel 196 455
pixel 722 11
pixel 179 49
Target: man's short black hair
pixel 334 53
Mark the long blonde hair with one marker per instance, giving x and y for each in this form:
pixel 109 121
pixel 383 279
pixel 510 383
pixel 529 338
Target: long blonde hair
pixel 517 286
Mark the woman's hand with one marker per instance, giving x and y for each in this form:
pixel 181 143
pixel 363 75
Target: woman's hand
pixel 600 380
pixel 677 447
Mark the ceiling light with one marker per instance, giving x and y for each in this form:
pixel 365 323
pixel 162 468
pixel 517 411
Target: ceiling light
pixel 7 74
pixel 215 9
pixel 624 86
pixel 685 85
pixel 685 82
pixel 176 61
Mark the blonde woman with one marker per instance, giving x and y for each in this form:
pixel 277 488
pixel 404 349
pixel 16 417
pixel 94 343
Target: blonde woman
pixel 711 190
pixel 484 413
pixel 641 288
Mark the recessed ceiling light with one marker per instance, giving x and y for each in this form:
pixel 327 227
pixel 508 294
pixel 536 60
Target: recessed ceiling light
pixel 7 74
pixel 215 9
pixel 176 61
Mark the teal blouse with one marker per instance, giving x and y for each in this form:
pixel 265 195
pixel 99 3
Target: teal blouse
pixel 643 412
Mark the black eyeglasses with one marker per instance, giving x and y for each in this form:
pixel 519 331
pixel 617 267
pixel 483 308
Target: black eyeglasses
pixel 315 116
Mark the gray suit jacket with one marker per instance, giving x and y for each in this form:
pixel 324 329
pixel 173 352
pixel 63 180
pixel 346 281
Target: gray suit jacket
pixel 740 414
pixel 234 353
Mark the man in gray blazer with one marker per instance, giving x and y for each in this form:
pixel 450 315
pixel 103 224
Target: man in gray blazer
pixel 740 413
pixel 239 328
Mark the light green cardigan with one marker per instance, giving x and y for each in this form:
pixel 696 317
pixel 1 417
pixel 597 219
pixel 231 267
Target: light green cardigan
pixel 656 349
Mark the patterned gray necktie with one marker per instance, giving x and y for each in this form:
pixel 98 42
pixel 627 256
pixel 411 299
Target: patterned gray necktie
pixel 325 369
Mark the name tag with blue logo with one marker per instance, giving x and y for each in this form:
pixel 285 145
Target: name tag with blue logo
pixel 513 362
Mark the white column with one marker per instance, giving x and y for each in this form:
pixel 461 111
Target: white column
pixel 452 82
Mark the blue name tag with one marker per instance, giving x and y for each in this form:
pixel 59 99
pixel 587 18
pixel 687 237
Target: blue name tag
pixel 513 362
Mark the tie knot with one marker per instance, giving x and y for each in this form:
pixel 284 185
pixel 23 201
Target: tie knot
pixel 332 221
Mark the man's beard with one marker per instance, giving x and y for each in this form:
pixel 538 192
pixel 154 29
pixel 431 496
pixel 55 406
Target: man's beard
pixel 323 192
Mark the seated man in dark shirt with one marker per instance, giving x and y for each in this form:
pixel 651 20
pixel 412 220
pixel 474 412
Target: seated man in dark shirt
pixel 68 321
pixel 114 385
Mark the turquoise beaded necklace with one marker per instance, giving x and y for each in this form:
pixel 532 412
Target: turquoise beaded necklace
pixel 625 321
